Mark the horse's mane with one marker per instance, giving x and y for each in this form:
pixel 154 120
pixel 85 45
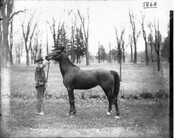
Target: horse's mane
pixel 68 60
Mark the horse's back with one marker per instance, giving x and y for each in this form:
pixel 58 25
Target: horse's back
pixel 101 77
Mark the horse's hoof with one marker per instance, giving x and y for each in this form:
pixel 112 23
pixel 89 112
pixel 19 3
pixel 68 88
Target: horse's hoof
pixel 68 114
pixel 117 117
pixel 108 113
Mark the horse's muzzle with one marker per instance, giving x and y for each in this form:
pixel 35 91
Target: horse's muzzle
pixel 47 58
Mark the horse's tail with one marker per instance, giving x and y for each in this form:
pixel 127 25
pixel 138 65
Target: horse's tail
pixel 116 82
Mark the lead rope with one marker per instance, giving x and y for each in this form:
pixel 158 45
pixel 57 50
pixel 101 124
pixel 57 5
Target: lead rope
pixel 46 93
pixel 48 70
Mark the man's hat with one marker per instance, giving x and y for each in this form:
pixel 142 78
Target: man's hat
pixel 39 59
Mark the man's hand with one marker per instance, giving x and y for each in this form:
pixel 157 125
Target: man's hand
pixel 46 85
pixel 45 63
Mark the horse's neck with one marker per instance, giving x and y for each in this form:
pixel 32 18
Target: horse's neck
pixel 65 64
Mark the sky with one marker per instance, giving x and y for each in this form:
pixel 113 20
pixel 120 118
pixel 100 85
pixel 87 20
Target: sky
pixel 104 16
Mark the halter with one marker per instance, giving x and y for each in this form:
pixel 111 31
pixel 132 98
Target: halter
pixel 58 56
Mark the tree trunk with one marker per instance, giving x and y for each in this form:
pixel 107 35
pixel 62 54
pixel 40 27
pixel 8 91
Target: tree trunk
pixel 146 52
pixel 145 40
pixel 124 56
pixel 19 60
pixel 27 58
pixel 158 61
pixel 31 55
pixel 11 57
pixel 86 35
pixel 120 64
pixel 5 46
pixel 0 47
pixel 131 52
pixel 72 45
pixel 27 53
pixel 120 72
pixel 151 51
pixel 87 54
pixel 99 54
pixel 135 35
pixel 135 52
pixel 11 43
pixel 158 57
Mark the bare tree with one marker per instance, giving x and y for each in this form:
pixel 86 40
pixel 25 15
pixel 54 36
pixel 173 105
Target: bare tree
pixel 131 47
pixel 120 42
pixel 6 11
pixel 35 46
pixel 135 34
pixel 158 38
pixel 72 43
pixel 19 52
pixel 28 32
pixel 151 44
pixel 79 46
pixel 73 28
pixel 58 33
pixel 7 15
pixel 145 38
pixel 53 31
pixel 86 33
pixel 123 50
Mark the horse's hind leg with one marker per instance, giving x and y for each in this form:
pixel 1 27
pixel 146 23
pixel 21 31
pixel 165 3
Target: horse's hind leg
pixel 113 100
pixel 110 99
pixel 71 102
pixel 110 106
pixel 116 108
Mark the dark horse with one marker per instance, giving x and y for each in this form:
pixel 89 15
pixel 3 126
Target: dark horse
pixel 76 78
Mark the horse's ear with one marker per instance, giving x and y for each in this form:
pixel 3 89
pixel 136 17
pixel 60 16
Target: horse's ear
pixel 62 49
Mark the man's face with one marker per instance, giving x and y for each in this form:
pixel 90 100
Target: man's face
pixel 40 62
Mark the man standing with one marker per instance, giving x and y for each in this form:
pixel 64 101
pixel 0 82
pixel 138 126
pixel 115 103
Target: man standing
pixel 40 85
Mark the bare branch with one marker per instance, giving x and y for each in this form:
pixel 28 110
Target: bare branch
pixel 122 33
pixel 116 33
pixel 15 13
pixel 138 34
pixel 33 31
pixel 83 24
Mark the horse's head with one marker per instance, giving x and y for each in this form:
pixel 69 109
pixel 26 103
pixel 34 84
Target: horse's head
pixel 55 54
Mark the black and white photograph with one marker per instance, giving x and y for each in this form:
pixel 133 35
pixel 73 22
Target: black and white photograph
pixel 86 68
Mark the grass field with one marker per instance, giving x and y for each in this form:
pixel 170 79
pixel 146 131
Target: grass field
pixel 135 80
pixel 138 116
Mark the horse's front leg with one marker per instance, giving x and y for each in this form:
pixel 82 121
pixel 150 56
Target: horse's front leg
pixel 71 102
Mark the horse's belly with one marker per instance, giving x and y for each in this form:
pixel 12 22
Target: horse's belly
pixel 85 84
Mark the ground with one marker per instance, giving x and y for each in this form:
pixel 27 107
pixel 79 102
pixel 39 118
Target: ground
pixel 138 116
